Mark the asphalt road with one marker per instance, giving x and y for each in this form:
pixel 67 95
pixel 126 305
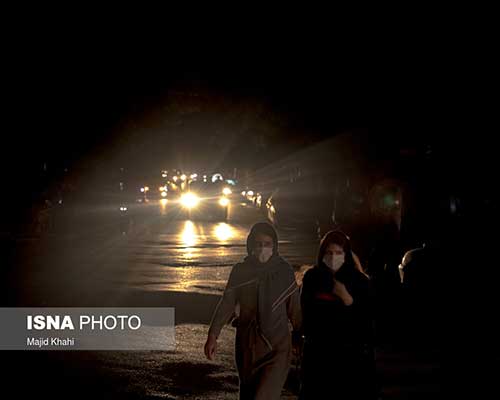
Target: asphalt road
pixel 160 252
pixel 162 260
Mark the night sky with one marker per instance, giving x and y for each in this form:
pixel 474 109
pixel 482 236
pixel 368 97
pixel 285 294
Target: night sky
pixel 83 100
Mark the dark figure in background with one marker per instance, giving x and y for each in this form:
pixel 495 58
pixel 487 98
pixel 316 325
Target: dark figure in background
pixel 422 282
pixel 265 289
pixel 338 361
pixel 383 262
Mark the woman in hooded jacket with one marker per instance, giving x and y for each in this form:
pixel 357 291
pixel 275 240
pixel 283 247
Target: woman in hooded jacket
pixel 265 289
pixel 338 360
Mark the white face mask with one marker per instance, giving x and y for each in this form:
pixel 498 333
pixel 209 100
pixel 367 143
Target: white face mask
pixel 263 254
pixel 334 261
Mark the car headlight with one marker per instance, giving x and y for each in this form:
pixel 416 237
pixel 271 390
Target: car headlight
pixel 226 191
pixel 189 200
pixel 224 202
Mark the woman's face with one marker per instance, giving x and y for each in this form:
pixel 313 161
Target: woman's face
pixel 334 249
pixel 263 247
pixel 334 256
pixel 262 240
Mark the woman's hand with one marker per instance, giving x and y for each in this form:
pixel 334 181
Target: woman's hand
pixel 211 347
pixel 340 290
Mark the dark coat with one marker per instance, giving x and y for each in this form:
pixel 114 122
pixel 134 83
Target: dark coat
pixel 338 357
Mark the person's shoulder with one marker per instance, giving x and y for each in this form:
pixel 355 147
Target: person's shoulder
pixel 361 281
pixel 352 276
pixel 285 268
pixel 412 257
pixel 284 264
pixel 240 265
pixel 312 273
pixel 237 268
pixel 240 272
pixel 361 275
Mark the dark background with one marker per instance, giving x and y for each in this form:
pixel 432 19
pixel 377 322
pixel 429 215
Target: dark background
pixel 81 100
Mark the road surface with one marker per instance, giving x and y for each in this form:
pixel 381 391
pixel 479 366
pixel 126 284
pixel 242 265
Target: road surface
pixel 162 260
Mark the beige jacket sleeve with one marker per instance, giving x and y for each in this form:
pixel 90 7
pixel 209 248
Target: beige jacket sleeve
pixel 294 310
pixel 226 306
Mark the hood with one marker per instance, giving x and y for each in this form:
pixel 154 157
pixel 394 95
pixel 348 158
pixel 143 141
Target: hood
pixel 339 238
pixel 266 229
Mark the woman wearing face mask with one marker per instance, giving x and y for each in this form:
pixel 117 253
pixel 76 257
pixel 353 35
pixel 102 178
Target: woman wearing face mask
pixel 338 360
pixel 264 288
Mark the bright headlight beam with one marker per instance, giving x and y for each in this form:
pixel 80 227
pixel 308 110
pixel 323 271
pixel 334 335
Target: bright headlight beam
pixel 223 202
pixel 190 200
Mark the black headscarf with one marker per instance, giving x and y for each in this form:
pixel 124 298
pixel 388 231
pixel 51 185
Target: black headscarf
pixel 341 239
pixel 353 278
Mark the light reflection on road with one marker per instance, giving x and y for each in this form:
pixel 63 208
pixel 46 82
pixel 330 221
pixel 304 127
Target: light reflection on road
pixel 188 234
pixel 224 232
pixel 198 255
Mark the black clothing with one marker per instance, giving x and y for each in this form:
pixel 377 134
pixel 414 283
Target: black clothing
pixel 338 358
